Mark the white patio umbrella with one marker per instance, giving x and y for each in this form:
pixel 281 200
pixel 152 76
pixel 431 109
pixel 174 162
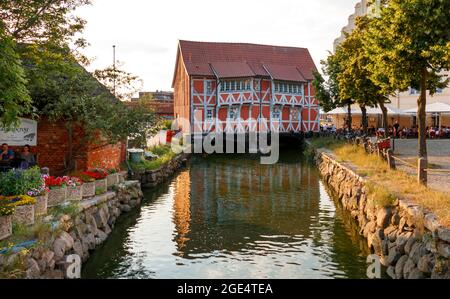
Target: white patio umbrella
pixel 342 110
pixel 435 108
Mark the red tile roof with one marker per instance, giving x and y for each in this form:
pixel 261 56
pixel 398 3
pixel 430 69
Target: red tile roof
pixel 282 63
pixel 232 69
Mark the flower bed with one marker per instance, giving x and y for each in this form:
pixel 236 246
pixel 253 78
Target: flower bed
pixel 18 182
pixel 5 227
pixel 112 180
pixel 88 189
pixel 75 193
pixel 101 186
pixel 101 182
pixel 41 205
pixel 6 213
pixel 24 215
pixel 59 188
pixel 56 196
pixel 24 208
pixel 113 177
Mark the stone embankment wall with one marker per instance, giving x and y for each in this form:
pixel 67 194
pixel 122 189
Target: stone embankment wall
pixel 76 236
pixel 408 239
pixel 152 178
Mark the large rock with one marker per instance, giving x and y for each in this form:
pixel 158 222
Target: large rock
pixel 394 256
pixel 391 272
pixel 53 274
pixel 33 271
pixel 101 237
pixel 125 208
pixel 408 268
pixel 375 241
pixel 402 240
pixel 444 250
pixel 89 240
pixel 409 244
pixel 444 234
pixel 101 218
pixel 415 274
pixel 59 249
pixel 400 266
pixel 417 251
pixel 431 222
pixel 383 218
pixel 67 239
pixel 426 263
pixel 78 249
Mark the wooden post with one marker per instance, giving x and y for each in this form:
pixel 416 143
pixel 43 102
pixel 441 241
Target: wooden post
pixel 422 174
pixel 390 159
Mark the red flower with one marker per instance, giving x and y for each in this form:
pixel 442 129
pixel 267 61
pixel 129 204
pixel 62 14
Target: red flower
pixel 96 174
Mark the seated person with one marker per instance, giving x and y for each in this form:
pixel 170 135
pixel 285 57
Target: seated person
pixel 6 153
pixel 28 159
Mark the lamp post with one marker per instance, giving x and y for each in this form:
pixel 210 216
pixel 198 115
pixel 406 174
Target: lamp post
pixel 114 69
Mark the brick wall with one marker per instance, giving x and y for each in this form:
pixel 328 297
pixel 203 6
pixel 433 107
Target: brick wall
pixel 52 149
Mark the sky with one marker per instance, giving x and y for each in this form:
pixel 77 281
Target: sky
pixel 146 32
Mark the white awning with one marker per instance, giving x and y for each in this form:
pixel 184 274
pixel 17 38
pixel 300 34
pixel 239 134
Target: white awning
pixel 432 108
pixel 370 111
pixel 340 110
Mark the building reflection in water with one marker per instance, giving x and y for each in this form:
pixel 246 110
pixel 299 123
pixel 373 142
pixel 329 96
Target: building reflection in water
pixel 229 204
pixel 182 212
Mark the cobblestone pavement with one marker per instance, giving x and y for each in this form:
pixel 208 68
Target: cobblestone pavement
pixel 438 157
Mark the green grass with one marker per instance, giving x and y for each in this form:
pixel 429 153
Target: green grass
pixel 72 209
pixel 165 154
pixel 385 184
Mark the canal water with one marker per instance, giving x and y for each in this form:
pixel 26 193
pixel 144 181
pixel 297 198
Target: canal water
pixel 230 217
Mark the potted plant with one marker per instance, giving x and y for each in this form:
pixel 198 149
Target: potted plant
pixel 74 189
pixel 24 208
pixel 112 178
pixel 88 186
pixel 58 189
pixel 41 196
pixel 6 212
pixel 101 184
pixel 25 182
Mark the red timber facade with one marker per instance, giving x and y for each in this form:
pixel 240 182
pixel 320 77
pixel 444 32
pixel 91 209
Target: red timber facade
pixel 226 87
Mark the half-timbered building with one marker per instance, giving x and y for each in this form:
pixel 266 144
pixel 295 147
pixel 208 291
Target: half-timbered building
pixel 223 87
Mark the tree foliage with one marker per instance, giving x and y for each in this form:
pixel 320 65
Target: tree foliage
pixel 355 79
pixel 122 84
pixel 39 24
pixel 410 44
pixel 14 98
pixel 36 21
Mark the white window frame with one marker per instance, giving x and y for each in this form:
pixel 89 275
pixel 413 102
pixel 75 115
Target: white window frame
pixel 258 84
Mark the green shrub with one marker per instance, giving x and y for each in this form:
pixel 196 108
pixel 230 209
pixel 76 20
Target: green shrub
pixel 19 182
pixel 165 154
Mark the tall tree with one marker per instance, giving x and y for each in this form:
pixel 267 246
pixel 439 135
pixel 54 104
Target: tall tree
pixel 14 98
pixel 355 79
pixel 410 43
pixel 328 91
pixel 122 84
pixel 28 28
pixel 34 21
